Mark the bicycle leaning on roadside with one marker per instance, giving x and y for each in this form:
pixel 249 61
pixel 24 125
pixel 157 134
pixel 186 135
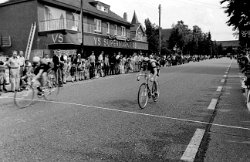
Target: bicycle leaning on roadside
pixel 26 97
pixel 145 92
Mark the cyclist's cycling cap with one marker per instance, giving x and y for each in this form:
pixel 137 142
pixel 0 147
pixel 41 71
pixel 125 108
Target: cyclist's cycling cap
pixel 36 59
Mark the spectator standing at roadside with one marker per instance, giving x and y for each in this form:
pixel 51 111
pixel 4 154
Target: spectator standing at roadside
pixel 57 67
pixel 100 64
pixel 21 62
pixel 117 63
pixel 112 64
pixel 13 64
pixel 106 65
pixel 73 68
pixel 92 65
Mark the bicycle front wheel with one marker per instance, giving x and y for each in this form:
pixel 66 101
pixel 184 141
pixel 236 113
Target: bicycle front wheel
pixel 143 96
pixel 24 98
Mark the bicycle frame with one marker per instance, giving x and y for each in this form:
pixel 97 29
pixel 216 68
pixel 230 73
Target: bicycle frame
pixel 146 76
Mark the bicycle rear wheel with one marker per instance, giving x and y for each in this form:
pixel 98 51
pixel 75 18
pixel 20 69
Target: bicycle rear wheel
pixel 143 96
pixel 155 91
pixel 24 98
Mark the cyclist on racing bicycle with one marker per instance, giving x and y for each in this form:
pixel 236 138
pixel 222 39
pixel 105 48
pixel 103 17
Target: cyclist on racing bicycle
pixel 152 66
pixel 40 69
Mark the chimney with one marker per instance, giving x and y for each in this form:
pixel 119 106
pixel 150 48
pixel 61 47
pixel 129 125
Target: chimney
pixel 125 16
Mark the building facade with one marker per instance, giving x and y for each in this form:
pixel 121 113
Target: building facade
pixel 59 25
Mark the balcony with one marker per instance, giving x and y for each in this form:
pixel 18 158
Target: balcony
pixel 73 26
pixel 59 25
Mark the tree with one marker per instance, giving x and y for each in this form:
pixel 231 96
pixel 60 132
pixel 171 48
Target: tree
pixel 238 13
pixel 152 32
pixel 239 17
pixel 179 36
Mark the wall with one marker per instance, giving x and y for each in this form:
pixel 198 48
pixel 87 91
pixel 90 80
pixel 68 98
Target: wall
pixel 16 20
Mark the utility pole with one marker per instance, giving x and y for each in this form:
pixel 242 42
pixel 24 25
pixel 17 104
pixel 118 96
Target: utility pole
pixel 159 29
pixel 81 20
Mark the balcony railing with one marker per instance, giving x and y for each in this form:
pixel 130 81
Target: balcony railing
pixel 58 24
pixel 67 24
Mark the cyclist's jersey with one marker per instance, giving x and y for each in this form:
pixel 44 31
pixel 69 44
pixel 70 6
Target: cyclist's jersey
pixel 42 66
pixel 150 65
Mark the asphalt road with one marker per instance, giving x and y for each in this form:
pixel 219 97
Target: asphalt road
pixel 99 120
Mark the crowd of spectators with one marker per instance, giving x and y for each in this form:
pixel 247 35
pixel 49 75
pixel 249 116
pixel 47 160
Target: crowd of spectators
pixel 76 68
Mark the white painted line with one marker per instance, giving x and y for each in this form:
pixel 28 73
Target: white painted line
pixel 212 104
pixel 224 76
pixel 193 146
pixel 142 114
pixel 219 89
pixel 226 72
pixel 222 80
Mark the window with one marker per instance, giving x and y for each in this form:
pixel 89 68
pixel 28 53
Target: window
pixel 108 28
pixel 123 31
pixel 115 30
pixel 98 25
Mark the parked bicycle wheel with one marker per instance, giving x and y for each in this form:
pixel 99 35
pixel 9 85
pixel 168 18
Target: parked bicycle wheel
pixel 155 91
pixel 51 90
pixel 24 98
pixel 143 96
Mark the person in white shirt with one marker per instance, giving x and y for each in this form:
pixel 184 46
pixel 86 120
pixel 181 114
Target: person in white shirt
pixel 14 65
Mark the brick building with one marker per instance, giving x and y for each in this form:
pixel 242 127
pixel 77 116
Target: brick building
pixel 59 26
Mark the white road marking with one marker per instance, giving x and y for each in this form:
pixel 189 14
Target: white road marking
pixel 144 114
pixel 224 76
pixel 193 146
pixel 222 80
pixel 212 104
pixel 219 89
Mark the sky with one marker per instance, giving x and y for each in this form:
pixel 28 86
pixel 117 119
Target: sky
pixel 207 14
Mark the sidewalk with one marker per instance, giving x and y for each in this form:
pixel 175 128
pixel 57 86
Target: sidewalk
pixel 230 140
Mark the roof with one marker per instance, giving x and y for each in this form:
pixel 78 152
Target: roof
pixel 135 19
pixel 75 4
pixel 230 43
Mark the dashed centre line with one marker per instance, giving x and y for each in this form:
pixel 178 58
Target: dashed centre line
pixel 193 146
pixel 212 104
pixel 219 89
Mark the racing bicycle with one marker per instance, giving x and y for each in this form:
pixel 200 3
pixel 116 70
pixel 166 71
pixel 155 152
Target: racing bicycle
pixel 49 92
pixel 145 92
